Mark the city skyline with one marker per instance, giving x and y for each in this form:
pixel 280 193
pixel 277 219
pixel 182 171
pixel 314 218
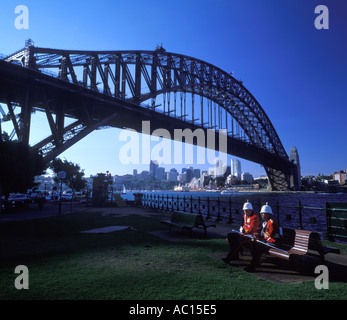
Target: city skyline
pixel 296 72
pixel 159 173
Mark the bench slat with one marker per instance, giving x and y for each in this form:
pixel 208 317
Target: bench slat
pixel 301 242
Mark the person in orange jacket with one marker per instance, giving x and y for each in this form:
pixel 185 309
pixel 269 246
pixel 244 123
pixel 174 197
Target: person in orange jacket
pixel 251 226
pixel 271 231
pixel 251 222
pixel 270 234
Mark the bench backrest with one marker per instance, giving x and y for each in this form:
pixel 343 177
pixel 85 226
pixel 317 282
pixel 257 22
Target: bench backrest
pixel 301 241
pixel 188 219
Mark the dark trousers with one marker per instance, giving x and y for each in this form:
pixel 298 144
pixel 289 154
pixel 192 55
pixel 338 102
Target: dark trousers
pixel 237 241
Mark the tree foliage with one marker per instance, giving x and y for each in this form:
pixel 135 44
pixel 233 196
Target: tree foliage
pixel 19 164
pixel 73 171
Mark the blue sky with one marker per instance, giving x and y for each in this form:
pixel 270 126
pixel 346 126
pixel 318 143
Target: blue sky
pixel 296 72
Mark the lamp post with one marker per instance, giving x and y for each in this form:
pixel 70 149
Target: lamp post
pixel 61 176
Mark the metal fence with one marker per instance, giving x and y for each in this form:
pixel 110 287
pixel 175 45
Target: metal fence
pixel 229 210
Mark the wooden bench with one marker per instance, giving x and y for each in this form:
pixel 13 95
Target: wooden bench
pixel 187 221
pixel 296 243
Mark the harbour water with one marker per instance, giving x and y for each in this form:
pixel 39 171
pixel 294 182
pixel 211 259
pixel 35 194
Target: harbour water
pixel 291 209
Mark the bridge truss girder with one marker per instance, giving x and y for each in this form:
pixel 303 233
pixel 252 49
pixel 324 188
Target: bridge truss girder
pixel 133 77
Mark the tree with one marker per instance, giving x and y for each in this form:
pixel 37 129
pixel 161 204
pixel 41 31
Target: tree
pixel 73 171
pixel 19 165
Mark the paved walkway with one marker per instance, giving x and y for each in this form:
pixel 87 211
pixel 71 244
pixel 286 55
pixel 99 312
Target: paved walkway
pixel 33 212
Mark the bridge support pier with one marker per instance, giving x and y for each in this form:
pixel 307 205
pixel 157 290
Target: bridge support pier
pixel 25 118
pixel 285 179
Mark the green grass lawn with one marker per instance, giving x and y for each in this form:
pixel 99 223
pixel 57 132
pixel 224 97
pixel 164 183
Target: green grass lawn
pixel 129 264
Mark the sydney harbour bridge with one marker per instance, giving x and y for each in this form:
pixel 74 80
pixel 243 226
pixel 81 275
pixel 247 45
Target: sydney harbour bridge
pixel 124 88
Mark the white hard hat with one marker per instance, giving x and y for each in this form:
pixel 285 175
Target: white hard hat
pixel 247 206
pixel 266 209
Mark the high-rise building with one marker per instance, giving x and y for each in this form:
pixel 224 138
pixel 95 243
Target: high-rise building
pixel 153 166
pixel 182 178
pixel 236 168
pixel 197 173
pixel 190 174
pixel 160 173
pixel 172 175
pixel 219 169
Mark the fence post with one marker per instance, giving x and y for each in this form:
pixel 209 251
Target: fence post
pixel 300 216
pixel 328 218
pixel 230 217
pixel 278 212
pixel 184 203
pixel 199 205
pixel 208 208
pixel 218 208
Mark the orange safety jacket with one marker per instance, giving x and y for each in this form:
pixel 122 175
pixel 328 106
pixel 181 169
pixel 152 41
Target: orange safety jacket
pixel 252 225
pixel 270 231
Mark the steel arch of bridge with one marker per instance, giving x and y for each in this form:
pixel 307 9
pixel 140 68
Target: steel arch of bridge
pixel 131 78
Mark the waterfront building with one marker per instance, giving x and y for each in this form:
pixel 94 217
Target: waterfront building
pixel 340 177
pixel 194 184
pixel 246 176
